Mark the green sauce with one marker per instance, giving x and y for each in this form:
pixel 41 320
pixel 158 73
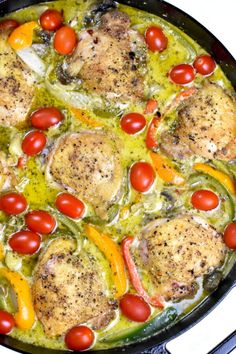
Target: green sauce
pixel 40 194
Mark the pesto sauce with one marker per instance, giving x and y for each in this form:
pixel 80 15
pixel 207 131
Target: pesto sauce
pixel 40 194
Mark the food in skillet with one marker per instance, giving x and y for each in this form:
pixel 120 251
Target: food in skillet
pixel 177 251
pixel 66 290
pixel 206 126
pixel 117 175
pixel 110 60
pixel 80 163
pixel 17 85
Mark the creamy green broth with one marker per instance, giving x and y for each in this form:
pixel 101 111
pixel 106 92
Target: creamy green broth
pixel 40 195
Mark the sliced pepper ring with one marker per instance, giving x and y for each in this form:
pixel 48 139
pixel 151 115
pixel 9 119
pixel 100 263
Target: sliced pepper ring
pixel 155 301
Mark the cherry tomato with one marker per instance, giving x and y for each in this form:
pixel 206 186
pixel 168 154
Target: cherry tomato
pixel 204 64
pixel 7 322
pixel 25 242
pixel 13 203
pixel 230 235
pixel 45 118
pixel 33 143
pixel 204 200
pixel 156 39
pixel 40 221
pixel 51 20
pixel 9 24
pixel 182 74
pixel 79 338
pixel 69 205
pixel 65 40
pixel 142 176
pixel 132 123
pixel 135 308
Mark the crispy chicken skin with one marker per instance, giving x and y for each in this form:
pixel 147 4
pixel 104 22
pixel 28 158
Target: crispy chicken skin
pixel 67 291
pixel 110 60
pixel 16 86
pixel 89 165
pixel 206 126
pixel 176 251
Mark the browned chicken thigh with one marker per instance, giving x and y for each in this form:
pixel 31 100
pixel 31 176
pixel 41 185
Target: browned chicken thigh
pixel 67 290
pixel 16 85
pixel 88 164
pixel 206 126
pixel 111 59
pixel 177 251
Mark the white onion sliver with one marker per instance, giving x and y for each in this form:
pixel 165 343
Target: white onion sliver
pixel 32 60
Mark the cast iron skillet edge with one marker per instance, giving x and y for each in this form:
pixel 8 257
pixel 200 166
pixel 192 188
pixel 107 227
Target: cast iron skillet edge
pixel 209 42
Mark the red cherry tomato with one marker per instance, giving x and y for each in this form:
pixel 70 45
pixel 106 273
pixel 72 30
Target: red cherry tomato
pixel 69 205
pixel 182 74
pixel 9 24
pixel 51 20
pixel 230 235
pixel 33 143
pixel 132 123
pixel 7 322
pixel 25 242
pixel 79 338
pixel 40 221
pixel 156 39
pixel 142 176
pixel 135 308
pixel 204 200
pixel 45 118
pixel 204 64
pixel 65 40
pixel 13 203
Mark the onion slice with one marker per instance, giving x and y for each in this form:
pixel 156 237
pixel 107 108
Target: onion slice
pixel 32 60
pixel 70 96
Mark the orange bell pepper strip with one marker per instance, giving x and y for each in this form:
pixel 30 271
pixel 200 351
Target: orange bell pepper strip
pixel 151 106
pixel 165 170
pixel 82 116
pixel 112 252
pixel 25 316
pixel 151 138
pixel 22 36
pixel 222 177
pixel 155 301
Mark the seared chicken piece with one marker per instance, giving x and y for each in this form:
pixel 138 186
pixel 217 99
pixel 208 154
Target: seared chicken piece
pixel 111 59
pixel 16 86
pixel 176 251
pixel 88 164
pixel 206 126
pixel 67 290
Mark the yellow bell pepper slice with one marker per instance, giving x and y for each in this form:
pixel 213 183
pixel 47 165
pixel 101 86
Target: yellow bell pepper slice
pixel 165 170
pixel 112 252
pixel 82 117
pixel 22 36
pixel 1 251
pixel 222 177
pixel 25 316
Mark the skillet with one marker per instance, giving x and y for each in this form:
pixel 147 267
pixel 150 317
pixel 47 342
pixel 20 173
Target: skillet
pixel 201 35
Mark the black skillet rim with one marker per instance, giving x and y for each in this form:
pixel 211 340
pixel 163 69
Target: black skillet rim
pixel 209 42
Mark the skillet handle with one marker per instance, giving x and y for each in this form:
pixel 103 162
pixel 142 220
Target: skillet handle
pixel 215 333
